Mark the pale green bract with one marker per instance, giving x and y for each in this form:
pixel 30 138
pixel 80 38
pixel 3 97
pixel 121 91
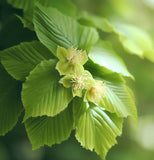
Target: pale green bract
pixel 79 81
pixel 70 60
pixel 96 92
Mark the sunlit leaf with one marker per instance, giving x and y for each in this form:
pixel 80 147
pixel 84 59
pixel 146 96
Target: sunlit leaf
pixel 21 59
pixel 10 101
pixel 118 98
pixel 96 129
pixel 42 94
pixel 104 55
pixel 55 29
pixel 118 8
pixel 99 22
pixel 135 40
pixel 49 130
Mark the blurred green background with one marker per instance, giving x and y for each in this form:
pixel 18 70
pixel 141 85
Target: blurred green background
pixel 136 143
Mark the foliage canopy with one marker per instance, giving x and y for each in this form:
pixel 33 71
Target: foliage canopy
pixel 70 78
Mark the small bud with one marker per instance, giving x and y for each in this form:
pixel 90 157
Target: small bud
pixel 70 59
pixel 76 56
pixel 96 92
pixel 78 81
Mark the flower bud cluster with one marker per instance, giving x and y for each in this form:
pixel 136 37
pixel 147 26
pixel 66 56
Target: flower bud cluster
pixel 70 65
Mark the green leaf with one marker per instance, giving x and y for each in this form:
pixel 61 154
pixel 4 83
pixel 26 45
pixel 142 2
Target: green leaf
pixel 135 40
pixel 95 128
pixel 66 7
pixel 118 98
pixel 21 59
pixel 42 94
pixel 55 29
pixel 22 4
pixel 10 102
pixel 27 19
pixel 49 130
pixel 28 9
pixel 103 54
pixel 97 71
pixel 101 23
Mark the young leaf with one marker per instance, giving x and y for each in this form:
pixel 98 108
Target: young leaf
pixel 96 129
pixel 135 40
pixel 49 130
pixel 10 101
pixel 101 23
pixel 100 71
pixel 55 29
pixel 103 54
pixel 42 94
pixel 118 97
pixel 67 7
pixel 21 59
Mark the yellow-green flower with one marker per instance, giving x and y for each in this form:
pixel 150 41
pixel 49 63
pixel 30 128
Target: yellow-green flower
pixel 79 80
pixel 70 59
pixel 96 92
